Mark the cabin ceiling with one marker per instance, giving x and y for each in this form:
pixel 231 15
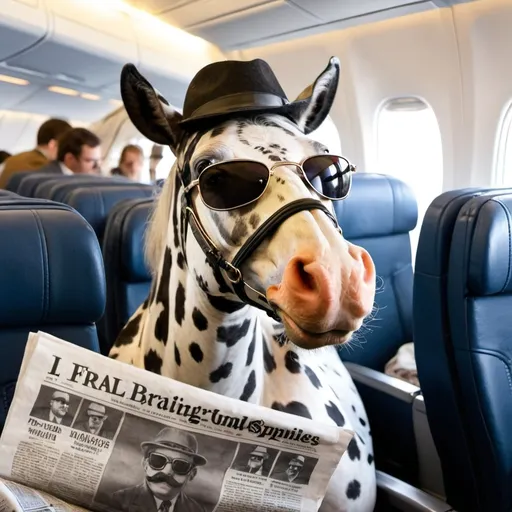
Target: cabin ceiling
pixel 244 23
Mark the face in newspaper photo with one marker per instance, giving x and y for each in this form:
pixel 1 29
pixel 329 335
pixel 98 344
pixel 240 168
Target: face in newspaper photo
pixel 97 419
pixel 173 470
pixel 254 459
pixel 293 468
pixel 55 406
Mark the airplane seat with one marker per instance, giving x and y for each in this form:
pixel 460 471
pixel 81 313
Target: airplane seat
pixel 51 279
pixel 17 179
pixel 57 189
pixel 95 203
pixel 462 304
pixel 7 193
pixel 128 277
pixel 378 215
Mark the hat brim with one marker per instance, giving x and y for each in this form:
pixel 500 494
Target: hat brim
pixel 291 110
pixel 199 460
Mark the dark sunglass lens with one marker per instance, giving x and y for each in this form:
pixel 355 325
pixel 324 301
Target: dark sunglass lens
pixel 181 467
pixel 233 184
pixel 157 461
pixel 329 175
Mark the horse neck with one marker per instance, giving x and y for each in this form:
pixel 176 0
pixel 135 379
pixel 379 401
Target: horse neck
pixel 211 341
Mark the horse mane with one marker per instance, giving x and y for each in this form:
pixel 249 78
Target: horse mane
pixel 156 234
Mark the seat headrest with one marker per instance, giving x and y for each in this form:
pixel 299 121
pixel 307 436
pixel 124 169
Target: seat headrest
pixel 490 251
pixel 51 268
pixel 95 203
pixel 378 205
pixel 134 266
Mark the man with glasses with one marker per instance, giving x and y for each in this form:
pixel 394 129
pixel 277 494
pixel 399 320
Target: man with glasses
pixel 254 465
pixel 170 462
pixel 57 410
pixel 95 422
pixel 79 152
pixel 292 472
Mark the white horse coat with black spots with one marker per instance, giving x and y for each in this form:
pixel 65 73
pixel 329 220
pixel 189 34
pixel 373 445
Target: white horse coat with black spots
pixel 194 329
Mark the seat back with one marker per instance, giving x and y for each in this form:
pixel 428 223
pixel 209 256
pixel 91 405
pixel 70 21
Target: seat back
pixel 432 338
pixel 128 277
pixel 480 305
pixel 51 279
pixel 95 203
pixel 378 215
pixel 23 182
pixel 7 193
pixel 59 188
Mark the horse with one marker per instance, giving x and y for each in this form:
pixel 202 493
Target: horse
pixel 253 282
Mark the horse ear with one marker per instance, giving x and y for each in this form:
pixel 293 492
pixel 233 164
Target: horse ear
pixel 148 110
pixel 320 95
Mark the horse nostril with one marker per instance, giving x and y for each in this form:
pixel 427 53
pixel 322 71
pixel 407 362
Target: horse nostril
pixel 304 278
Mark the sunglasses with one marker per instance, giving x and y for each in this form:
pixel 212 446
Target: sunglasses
pixel 179 466
pixel 236 183
pixel 61 401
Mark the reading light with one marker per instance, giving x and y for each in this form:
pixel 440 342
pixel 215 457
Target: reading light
pixel 13 80
pixel 87 96
pixel 63 90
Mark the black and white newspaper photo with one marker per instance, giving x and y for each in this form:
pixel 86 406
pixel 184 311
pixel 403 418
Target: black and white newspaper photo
pixel 153 467
pixel 110 437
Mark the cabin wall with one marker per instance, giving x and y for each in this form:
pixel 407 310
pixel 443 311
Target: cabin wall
pixel 455 59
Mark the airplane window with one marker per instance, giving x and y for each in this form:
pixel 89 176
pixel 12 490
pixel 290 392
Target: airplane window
pixel 503 159
pixel 409 147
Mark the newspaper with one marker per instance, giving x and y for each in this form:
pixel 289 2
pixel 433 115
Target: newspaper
pixel 107 436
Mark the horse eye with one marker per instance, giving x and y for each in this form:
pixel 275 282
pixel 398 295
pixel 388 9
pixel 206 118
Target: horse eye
pixel 201 165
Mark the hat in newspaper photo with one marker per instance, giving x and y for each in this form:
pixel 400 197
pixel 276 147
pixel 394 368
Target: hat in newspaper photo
pixel 260 451
pixel 298 460
pixel 177 440
pixel 96 409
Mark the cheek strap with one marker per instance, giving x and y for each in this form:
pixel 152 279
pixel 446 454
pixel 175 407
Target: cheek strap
pixel 232 271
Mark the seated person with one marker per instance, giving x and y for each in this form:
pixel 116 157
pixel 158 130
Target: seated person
pixel 130 162
pixel 4 155
pixel 79 153
pixel 45 151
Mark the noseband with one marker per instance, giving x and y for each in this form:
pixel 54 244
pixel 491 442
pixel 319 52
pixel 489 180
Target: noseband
pixel 231 271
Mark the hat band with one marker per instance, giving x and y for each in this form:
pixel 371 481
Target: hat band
pixel 238 101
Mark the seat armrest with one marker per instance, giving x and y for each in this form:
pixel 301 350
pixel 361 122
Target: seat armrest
pixel 405 497
pixel 400 389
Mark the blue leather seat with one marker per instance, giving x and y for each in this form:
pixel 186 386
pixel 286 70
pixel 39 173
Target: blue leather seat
pixel 16 181
pixel 128 277
pixel 95 203
pixel 378 215
pixel 51 279
pixel 58 187
pixel 7 193
pixel 461 309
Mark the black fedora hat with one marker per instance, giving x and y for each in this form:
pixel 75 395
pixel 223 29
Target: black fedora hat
pixel 232 88
pixel 224 90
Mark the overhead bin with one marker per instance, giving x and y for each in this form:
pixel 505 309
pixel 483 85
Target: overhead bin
pixel 86 47
pixel 23 23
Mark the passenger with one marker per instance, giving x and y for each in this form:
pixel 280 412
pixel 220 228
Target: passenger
pixel 4 155
pixel 79 153
pixel 131 162
pixel 46 150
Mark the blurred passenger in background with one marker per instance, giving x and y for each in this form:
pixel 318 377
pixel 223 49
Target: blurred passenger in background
pixel 79 153
pixel 3 157
pixel 46 150
pixel 130 163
